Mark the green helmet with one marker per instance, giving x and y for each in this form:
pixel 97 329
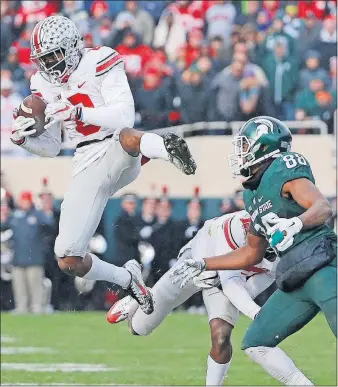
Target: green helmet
pixel 258 140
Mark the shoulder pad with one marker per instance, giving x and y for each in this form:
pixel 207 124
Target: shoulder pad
pixel 291 166
pixel 235 228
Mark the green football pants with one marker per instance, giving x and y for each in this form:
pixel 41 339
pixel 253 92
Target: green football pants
pixel 286 313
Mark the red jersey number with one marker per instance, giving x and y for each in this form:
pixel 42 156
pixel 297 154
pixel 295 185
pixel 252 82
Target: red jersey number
pixel 85 101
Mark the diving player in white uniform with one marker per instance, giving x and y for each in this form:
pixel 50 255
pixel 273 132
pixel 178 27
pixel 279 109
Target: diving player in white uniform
pixel 239 289
pixel 87 90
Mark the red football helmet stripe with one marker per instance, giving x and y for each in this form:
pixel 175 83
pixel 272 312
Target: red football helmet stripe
pixel 36 37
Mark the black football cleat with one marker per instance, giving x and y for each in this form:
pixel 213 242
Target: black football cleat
pixel 179 153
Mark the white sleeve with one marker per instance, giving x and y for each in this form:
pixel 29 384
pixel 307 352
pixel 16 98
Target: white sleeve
pixel 234 287
pixel 119 110
pixel 48 144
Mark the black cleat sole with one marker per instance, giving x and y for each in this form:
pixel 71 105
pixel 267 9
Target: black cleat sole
pixel 179 153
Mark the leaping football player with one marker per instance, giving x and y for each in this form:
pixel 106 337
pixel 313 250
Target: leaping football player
pixel 87 90
pixel 288 212
pixel 238 291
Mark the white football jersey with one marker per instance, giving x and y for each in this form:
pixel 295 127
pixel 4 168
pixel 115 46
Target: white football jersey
pixel 222 235
pixel 84 88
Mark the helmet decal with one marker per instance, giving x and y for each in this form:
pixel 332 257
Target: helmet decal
pixel 265 127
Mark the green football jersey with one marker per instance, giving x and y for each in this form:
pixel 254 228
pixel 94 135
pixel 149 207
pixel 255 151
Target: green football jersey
pixel 267 200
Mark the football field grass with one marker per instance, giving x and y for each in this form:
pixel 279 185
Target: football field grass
pixel 64 348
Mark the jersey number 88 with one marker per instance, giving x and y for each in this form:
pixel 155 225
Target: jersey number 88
pixel 293 160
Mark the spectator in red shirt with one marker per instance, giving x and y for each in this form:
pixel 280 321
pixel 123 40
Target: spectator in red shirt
pixel 192 49
pixel 316 7
pixel 22 46
pixel 135 55
pixel 190 12
pixel 158 62
pixel 98 9
pixel 271 6
pixel 31 12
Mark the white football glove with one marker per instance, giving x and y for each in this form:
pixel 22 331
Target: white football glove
pixel 186 270
pixel 289 227
pixel 207 279
pixel 19 126
pixel 61 111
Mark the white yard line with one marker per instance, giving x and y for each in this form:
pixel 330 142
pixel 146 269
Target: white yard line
pixel 65 384
pixel 7 339
pixel 25 350
pixel 61 367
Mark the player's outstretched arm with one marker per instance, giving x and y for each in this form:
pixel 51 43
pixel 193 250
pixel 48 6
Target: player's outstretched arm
pixel 242 258
pixel 308 196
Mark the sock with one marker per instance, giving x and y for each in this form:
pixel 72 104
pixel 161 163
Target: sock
pixel 152 146
pixel 235 289
pixel 215 372
pixel 278 365
pixel 104 271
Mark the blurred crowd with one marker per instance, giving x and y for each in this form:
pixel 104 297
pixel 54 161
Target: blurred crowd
pixel 146 229
pixel 193 61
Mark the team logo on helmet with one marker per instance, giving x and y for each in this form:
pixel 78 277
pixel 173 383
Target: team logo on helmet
pixel 265 126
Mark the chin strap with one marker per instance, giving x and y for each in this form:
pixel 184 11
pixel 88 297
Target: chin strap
pixel 253 181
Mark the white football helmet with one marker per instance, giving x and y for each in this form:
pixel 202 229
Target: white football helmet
pixel 56 48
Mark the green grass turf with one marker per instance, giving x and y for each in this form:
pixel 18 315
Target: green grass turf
pixel 174 354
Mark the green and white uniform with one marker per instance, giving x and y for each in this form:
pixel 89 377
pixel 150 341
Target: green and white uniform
pixel 287 312
pixel 267 199
pixel 306 274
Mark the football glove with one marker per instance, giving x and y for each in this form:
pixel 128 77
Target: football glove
pixel 61 111
pixel 187 270
pixel 20 125
pixel 288 227
pixel 207 279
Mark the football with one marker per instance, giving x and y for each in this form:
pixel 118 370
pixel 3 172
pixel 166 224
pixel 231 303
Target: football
pixel 34 106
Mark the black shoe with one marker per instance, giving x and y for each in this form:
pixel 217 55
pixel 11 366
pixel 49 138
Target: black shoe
pixel 179 153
